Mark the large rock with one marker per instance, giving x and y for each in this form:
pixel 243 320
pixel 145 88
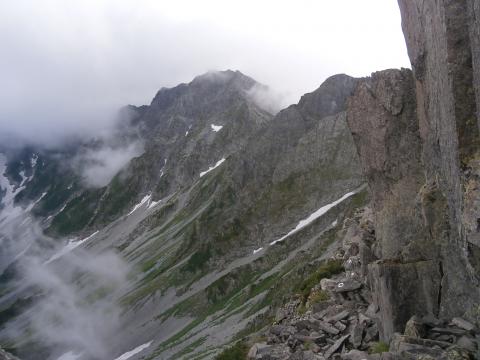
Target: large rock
pixel 382 118
pixel 418 140
pixel 444 47
pixel 402 290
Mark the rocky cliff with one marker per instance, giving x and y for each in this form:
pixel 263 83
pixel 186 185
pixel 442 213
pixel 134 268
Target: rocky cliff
pixel 417 135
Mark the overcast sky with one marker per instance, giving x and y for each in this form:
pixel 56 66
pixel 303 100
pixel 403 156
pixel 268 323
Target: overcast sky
pixel 66 66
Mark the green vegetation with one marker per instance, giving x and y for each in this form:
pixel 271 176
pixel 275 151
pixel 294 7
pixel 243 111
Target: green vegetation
pixel 120 194
pixel 238 351
pixel 378 348
pixel 326 270
pixel 190 348
pixel 318 296
pixel 198 260
pixel 359 199
pixel 77 214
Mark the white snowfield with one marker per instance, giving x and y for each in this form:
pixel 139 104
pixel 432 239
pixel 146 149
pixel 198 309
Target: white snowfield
pixel 135 351
pixel 257 250
pixel 72 244
pixel 216 128
pixel 163 167
pixel 145 199
pixel 153 203
pixel 220 162
pixel 314 216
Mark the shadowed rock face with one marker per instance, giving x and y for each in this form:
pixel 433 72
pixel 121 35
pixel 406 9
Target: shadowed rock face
pixel 442 41
pixel 418 140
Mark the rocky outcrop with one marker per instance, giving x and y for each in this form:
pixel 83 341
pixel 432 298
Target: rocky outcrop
pixel 382 118
pixel 443 47
pixel 339 318
pixel 344 319
pixel 417 135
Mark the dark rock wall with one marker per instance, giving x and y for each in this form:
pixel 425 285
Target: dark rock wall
pixel 417 134
pixel 443 45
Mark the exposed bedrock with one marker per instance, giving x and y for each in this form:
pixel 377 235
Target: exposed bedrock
pixel 417 134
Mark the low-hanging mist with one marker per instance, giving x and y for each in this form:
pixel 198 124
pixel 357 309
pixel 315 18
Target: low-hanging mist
pixel 71 294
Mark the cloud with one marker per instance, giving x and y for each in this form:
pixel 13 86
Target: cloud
pixel 66 67
pixel 98 166
pixel 74 298
pixel 268 99
pixel 75 309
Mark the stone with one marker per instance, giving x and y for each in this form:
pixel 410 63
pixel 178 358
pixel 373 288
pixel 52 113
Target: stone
pixel 357 335
pixel 340 316
pixel 463 324
pixel 274 352
pixel 372 310
pixel 347 285
pixel 446 338
pixel 449 331
pixel 326 327
pixel 254 350
pixel 340 326
pixel 371 333
pixel 415 328
pixel 398 339
pixel 280 315
pixel 467 343
pixel 364 319
pixel 336 346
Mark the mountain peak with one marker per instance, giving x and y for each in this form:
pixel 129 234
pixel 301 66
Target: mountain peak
pixel 229 78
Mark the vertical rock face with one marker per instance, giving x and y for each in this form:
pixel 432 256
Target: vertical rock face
pixel 417 134
pixel 382 119
pixel 443 45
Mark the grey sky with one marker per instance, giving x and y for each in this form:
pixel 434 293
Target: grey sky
pixel 66 65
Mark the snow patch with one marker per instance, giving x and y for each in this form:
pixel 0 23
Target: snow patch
pixel 145 199
pixel 72 244
pixel 216 128
pixel 220 162
pixel 257 250
pixel 135 351
pixel 186 132
pixel 30 207
pixel 153 204
pixel 163 167
pixel 314 217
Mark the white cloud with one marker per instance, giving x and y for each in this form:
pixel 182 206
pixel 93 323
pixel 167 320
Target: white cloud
pixel 99 166
pixel 67 66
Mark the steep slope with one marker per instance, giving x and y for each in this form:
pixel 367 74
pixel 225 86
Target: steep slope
pixel 225 204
